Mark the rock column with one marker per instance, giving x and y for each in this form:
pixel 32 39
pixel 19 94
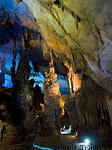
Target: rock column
pixel 54 104
pixel 25 88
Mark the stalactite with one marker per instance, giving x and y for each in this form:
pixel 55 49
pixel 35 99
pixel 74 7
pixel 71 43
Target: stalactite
pixel 109 105
pixel 73 79
pixel 13 68
pixel 90 105
pixel 78 20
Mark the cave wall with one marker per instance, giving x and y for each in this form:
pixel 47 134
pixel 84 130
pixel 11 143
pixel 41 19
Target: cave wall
pixel 109 104
pixel 81 30
pixel 92 109
pixel 79 35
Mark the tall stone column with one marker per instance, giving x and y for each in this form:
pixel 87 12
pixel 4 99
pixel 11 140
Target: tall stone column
pixel 54 104
pixel 25 88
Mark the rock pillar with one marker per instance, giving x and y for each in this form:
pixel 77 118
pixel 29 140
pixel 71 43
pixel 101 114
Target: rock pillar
pixel 54 104
pixel 25 88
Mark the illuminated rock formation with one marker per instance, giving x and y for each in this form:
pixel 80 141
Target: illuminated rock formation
pixel 54 104
pixel 79 34
pixel 79 31
pixel 73 79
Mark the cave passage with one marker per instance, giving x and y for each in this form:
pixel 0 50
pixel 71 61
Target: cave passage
pixel 55 74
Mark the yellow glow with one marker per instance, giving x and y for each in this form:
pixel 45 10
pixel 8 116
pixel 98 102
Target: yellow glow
pixel 43 107
pixel 61 104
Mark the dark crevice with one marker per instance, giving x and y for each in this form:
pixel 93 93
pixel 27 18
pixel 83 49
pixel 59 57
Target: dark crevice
pixel 57 2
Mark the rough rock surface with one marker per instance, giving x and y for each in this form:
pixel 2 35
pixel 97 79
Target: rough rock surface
pixel 54 104
pixel 79 35
pixel 81 30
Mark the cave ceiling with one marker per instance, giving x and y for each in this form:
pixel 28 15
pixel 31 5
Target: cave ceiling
pixel 77 32
pixel 81 32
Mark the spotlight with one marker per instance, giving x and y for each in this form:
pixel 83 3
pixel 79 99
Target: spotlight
pixel 86 141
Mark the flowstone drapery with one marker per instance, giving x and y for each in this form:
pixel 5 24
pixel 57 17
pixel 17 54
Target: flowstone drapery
pixel 73 79
pixel 92 109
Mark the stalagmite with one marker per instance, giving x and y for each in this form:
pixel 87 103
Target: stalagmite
pixel 54 104
pixel 25 88
pixel 71 39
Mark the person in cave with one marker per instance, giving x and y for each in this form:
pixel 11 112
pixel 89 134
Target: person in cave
pixel 3 132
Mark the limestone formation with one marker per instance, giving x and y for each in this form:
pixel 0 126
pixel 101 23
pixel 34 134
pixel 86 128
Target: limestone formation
pixel 80 33
pixel 79 30
pixel 54 104
pixel 25 89
pixel 92 109
pixel 73 79
pixel 75 37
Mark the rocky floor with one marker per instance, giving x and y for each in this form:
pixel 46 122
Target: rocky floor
pixel 55 142
pixel 13 142
pixel 44 143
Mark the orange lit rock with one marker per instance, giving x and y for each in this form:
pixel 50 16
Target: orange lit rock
pixel 54 104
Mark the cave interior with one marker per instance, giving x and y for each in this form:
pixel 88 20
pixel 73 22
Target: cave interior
pixel 55 73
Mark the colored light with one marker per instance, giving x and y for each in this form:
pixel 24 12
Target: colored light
pixel 87 141
pixel 41 148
